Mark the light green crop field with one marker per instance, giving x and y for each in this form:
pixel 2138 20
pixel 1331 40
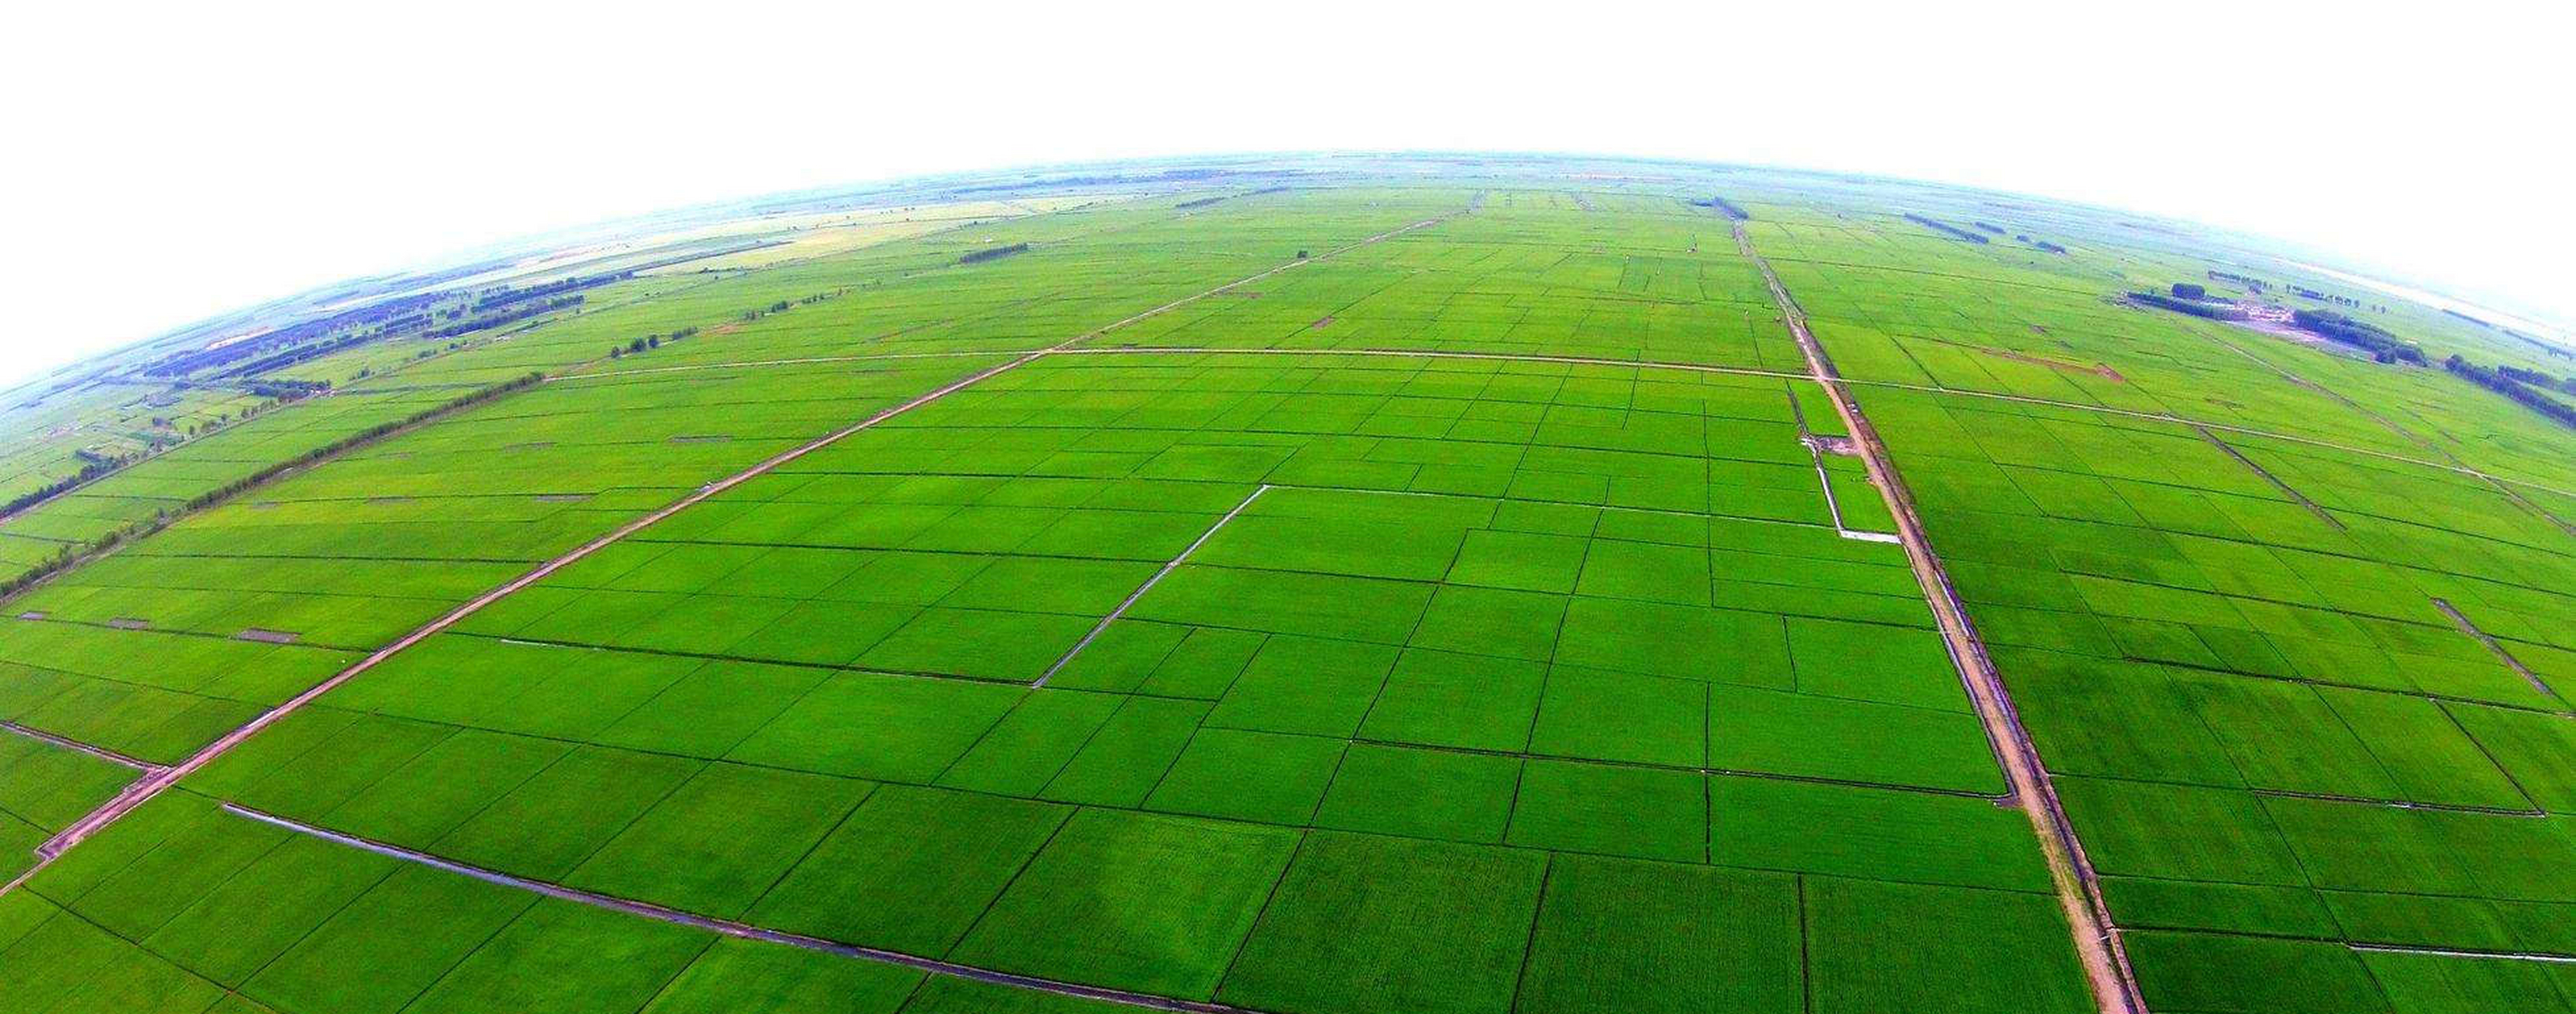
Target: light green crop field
pixel 1441 586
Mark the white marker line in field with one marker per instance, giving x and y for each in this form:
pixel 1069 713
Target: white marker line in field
pixel 1175 564
pixel 152 784
pixel 2554 959
pixel 728 927
pixel 99 752
pixel 1825 481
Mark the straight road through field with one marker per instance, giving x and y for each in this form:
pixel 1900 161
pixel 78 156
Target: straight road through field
pixel 2106 963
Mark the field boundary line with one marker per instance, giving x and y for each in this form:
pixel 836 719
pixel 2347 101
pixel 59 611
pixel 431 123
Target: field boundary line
pixel 2462 620
pixel 2276 481
pixel 92 749
pixel 2096 938
pixel 1168 567
pixel 729 927
pixel 142 790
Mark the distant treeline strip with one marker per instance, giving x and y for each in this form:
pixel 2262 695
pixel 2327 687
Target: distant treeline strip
pixel 293 356
pixel 2503 381
pixel 2250 284
pixel 73 554
pixel 2383 346
pixel 1205 201
pixel 992 253
pixel 1724 207
pixel 2196 308
pixel 522 313
pixel 96 466
pixel 505 297
pixel 2538 379
pixel 1945 228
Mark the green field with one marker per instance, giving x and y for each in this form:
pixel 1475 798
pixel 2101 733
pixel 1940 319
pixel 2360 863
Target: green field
pixel 1448 592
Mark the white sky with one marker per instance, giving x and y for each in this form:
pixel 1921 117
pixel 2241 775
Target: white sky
pixel 168 165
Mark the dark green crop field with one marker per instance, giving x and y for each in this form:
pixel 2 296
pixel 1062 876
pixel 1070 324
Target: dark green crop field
pixel 1466 587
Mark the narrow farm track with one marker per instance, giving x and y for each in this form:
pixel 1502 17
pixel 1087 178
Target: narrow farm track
pixel 157 781
pixel 99 752
pixel 1130 602
pixel 740 930
pixel 2097 941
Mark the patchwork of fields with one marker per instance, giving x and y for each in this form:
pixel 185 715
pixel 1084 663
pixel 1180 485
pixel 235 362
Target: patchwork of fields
pixel 1450 597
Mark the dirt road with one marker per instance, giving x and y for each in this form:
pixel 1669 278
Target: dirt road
pixel 2097 943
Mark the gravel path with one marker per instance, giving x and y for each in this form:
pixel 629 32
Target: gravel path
pixel 2097 943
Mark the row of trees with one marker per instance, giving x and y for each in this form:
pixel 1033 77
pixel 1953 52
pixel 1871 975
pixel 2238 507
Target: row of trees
pixel 522 313
pixel 2250 284
pixel 2539 379
pixel 2383 346
pixel 1945 228
pixel 73 553
pixel 96 465
pixel 504 296
pixel 992 253
pixel 93 465
pixel 2502 382
pixel 650 341
pixel 2194 307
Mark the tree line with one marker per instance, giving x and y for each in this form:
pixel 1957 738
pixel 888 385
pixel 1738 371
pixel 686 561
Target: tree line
pixel 1724 207
pixel 74 553
pixel 2503 382
pixel 2383 346
pixel 2194 307
pixel 992 253
pixel 1945 228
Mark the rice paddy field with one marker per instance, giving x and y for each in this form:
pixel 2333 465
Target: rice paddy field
pixel 1518 587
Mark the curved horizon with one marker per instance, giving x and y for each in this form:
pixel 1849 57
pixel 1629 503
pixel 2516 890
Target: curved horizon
pixel 239 155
